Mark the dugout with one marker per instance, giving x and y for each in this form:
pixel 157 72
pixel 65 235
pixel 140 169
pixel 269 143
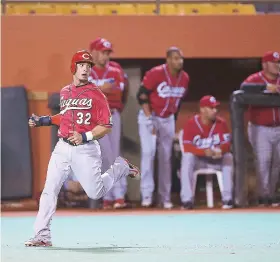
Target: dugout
pixel 54 106
pixel 239 102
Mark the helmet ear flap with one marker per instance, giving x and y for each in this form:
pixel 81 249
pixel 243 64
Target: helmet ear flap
pixel 73 68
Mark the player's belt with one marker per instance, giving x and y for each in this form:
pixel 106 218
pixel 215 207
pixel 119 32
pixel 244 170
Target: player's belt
pixel 273 125
pixel 71 144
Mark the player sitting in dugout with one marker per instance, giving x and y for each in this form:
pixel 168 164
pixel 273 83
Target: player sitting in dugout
pixel 206 141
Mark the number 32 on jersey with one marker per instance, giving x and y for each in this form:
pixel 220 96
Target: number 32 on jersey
pixel 83 118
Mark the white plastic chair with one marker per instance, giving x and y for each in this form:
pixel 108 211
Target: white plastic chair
pixel 208 172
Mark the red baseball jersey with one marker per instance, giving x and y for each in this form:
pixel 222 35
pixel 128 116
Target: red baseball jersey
pixel 198 137
pixel 267 116
pixel 99 76
pixel 82 108
pixel 126 83
pixel 166 90
pixel 117 65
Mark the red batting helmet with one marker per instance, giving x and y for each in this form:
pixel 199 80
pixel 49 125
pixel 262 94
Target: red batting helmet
pixel 82 56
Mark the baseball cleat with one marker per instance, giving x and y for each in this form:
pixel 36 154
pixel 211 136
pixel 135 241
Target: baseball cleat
pixel 227 204
pixel 146 202
pixel 275 203
pixel 134 171
pixel 107 204
pixel 265 201
pixel 37 242
pixel 119 203
pixel 187 205
pixel 167 205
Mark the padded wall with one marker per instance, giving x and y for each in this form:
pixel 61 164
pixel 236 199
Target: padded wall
pixel 16 169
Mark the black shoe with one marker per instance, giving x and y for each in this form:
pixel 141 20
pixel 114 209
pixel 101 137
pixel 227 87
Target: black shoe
pixel 264 201
pixel 187 205
pixel 227 204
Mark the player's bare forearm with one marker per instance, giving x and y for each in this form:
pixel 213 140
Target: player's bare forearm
pixel 100 131
pixel 147 110
pixel 273 88
pixel 189 148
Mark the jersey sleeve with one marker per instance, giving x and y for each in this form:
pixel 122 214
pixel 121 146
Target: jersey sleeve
pixel 188 133
pixel 187 82
pixel 120 80
pixel 55 119
pixel 150 80
pixel 253 79
pixel 225 137
pixel 124 74
pixel 102 111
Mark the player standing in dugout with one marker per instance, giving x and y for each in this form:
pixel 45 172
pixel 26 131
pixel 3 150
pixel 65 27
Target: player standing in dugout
pixel 160 94
pixel 111 79
pixel 264 130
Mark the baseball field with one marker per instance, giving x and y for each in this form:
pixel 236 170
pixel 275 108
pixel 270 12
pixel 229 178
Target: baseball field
pixel 251 235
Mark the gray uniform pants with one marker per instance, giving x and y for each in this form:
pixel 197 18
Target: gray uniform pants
pixel 266 145
pixel 191 163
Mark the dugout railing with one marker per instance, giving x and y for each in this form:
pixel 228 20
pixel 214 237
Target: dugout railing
pixel 239 102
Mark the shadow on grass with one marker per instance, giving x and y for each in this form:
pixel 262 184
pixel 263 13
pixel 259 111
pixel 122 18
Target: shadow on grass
pixel 112 249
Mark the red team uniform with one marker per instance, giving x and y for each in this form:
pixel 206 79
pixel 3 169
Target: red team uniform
pixel 125 82
pixel 87 115
pixel 117 65
pixel 196 138
pixel 82 108
pixel 264 133
pixel 99 76
pixel 166 90
pixel 165 94
pixel 266 116
pixel 110 144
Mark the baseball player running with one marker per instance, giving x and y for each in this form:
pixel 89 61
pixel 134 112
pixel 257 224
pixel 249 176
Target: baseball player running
pixel 264 130
pixel 84 118
pixel 206 141
pixel 101 74
pixel 160 93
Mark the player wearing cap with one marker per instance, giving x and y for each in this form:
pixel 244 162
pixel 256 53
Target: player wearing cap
pixel 84 119
pixel 94 54
pixel 111 82
pixel 264 130
pixel 160 94
pixel 206 141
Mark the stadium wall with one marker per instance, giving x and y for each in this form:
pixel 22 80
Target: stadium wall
pixel 36 51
